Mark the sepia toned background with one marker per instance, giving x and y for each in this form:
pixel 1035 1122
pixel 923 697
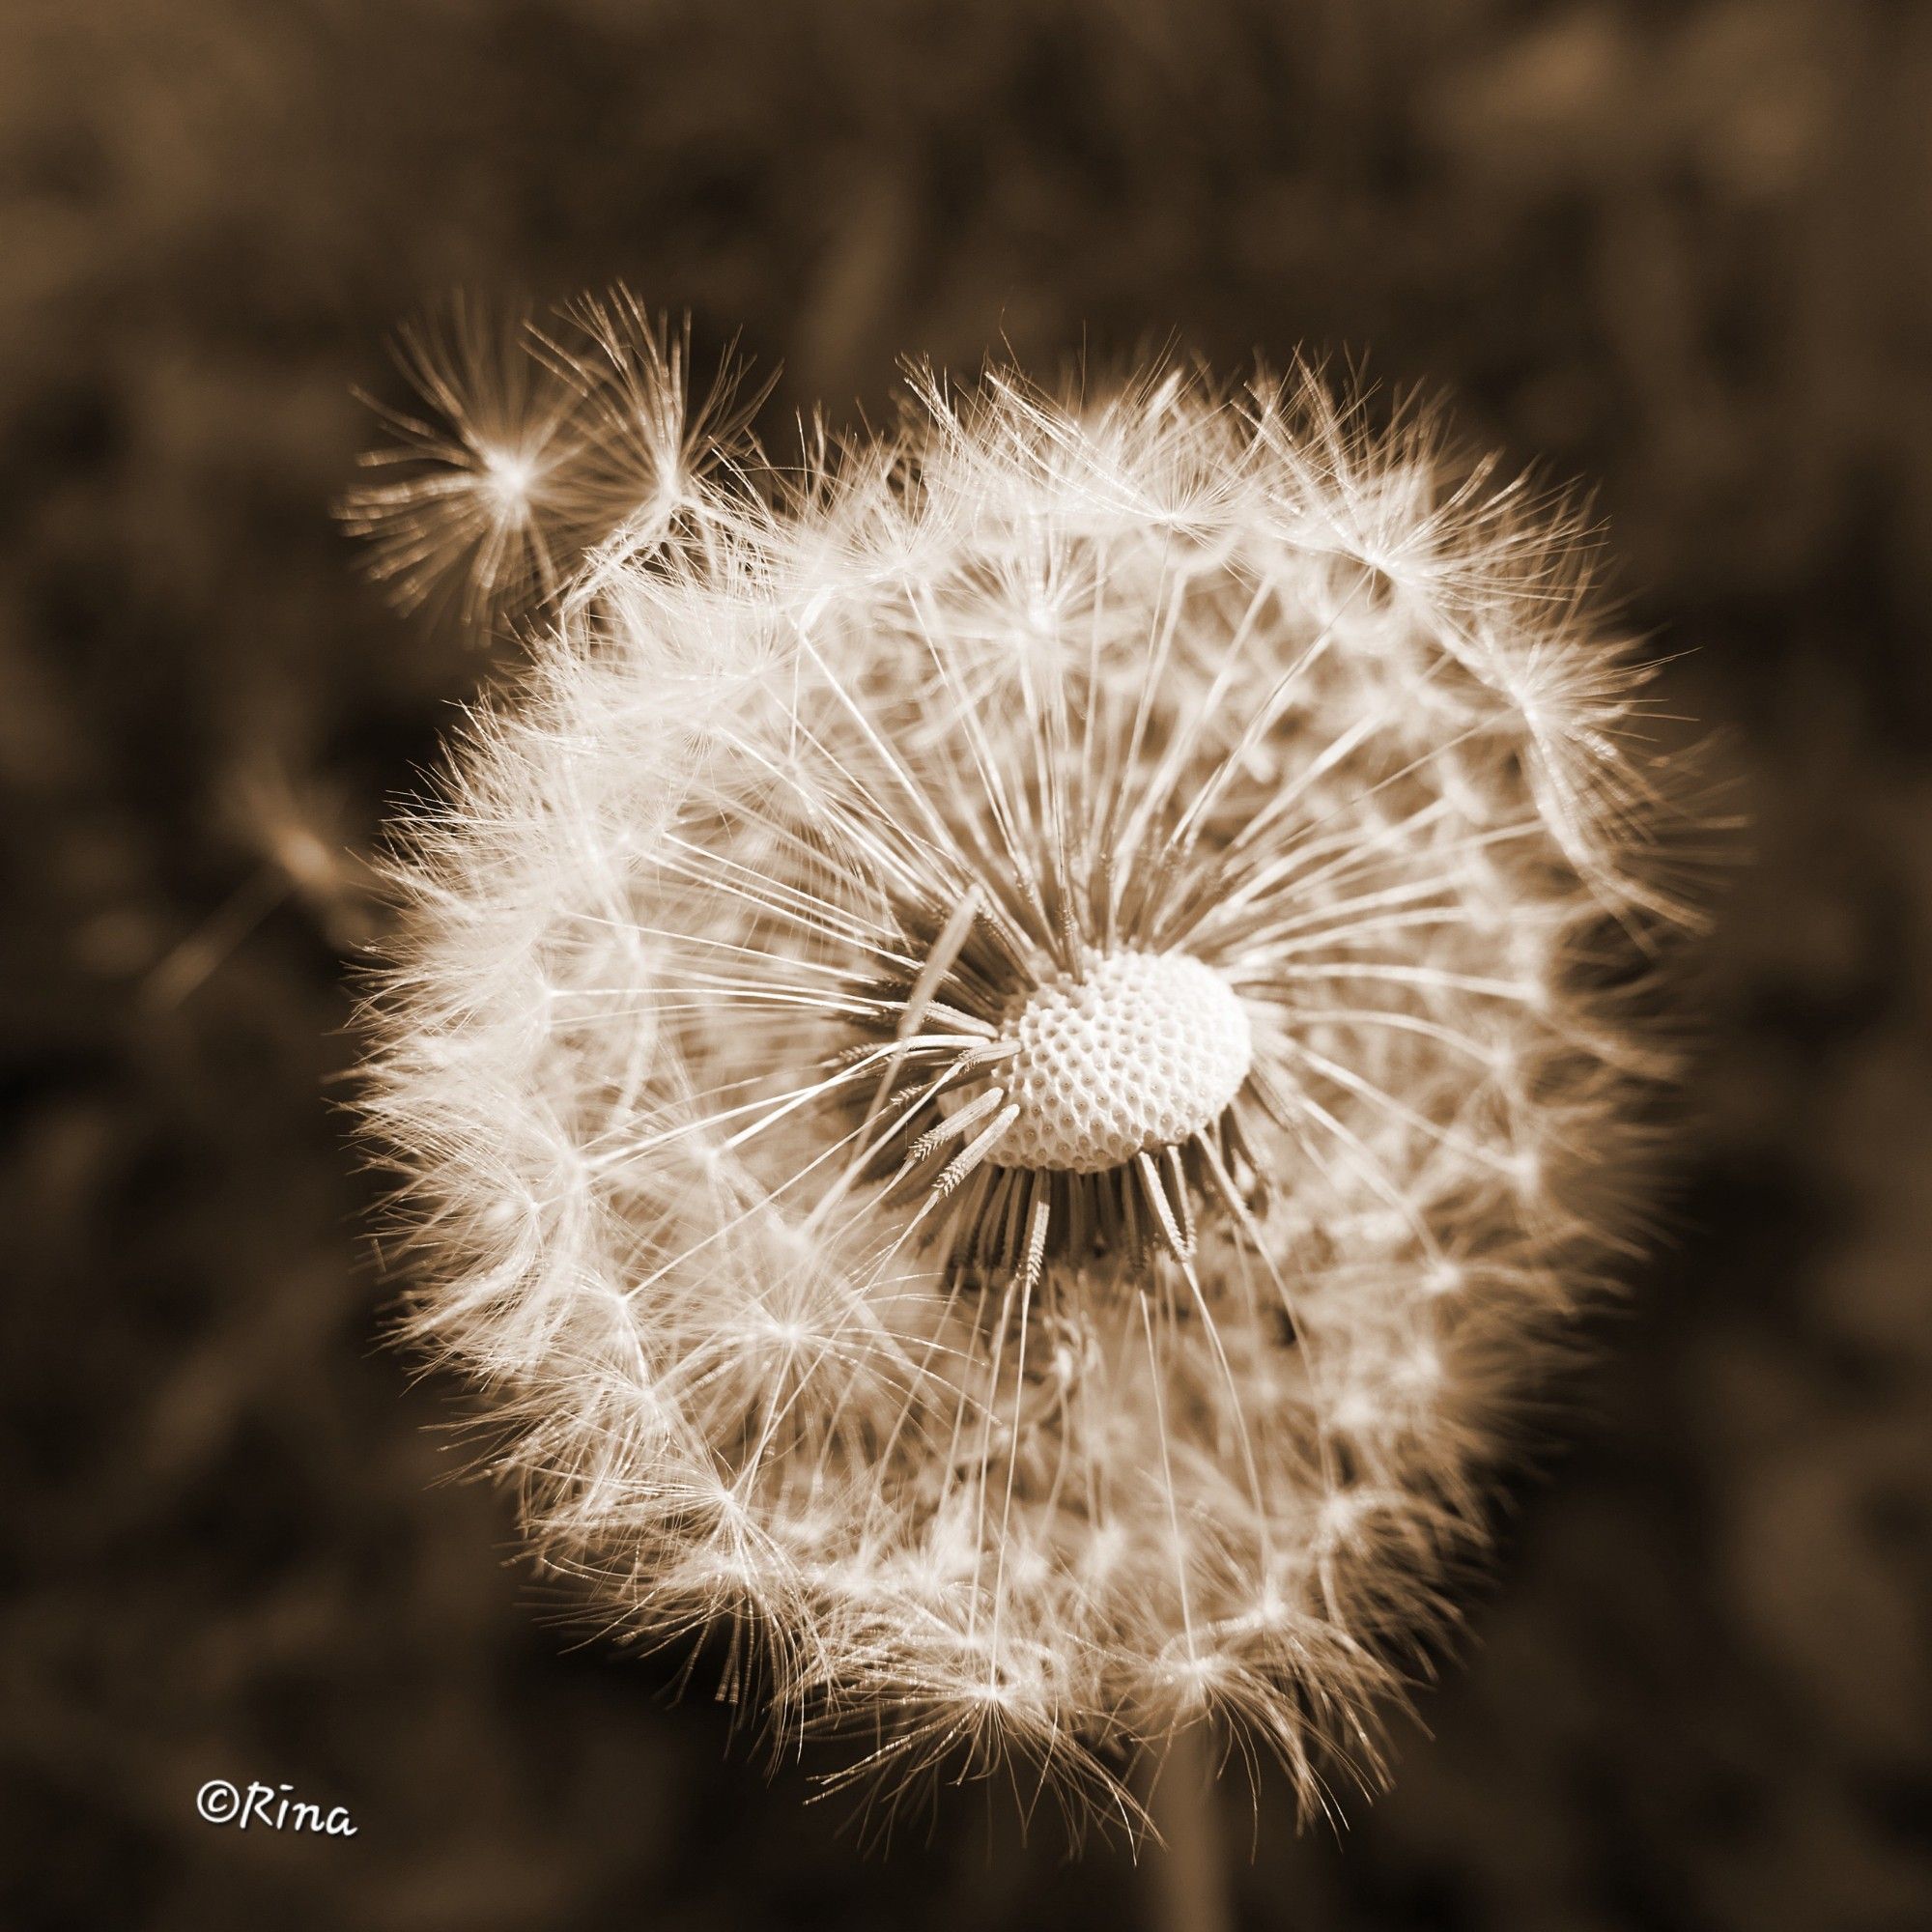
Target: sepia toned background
pixel 1679 249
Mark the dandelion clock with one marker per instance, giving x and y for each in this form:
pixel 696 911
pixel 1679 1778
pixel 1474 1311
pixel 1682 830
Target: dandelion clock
pixel 1010 1048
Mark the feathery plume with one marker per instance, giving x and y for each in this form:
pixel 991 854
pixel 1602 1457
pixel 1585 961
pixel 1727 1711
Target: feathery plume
pixel 1012 1043
pixel 528 447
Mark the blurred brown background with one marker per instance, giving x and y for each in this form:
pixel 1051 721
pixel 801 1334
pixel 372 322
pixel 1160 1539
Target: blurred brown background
pixel 1680 249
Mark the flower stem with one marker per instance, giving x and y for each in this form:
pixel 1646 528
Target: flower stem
pixel 1187 1867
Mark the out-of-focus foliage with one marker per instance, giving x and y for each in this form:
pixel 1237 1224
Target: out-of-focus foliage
pixel 1679 249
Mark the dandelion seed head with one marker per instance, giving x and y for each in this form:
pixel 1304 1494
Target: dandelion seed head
pixel 1004 1050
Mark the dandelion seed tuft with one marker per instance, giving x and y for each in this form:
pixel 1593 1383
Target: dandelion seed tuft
pixel 1011 1042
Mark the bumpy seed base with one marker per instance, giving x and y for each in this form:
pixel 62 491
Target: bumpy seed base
pixel 1143 1050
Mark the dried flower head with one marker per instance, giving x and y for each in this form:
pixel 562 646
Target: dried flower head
pixel 1008 1045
